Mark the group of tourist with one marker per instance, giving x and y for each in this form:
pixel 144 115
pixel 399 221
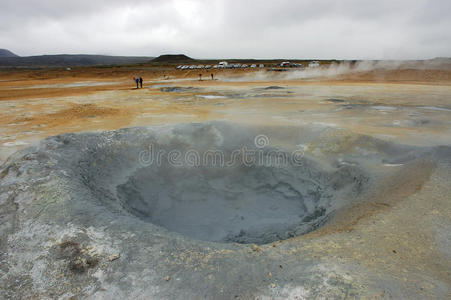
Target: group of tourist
pixel 139 82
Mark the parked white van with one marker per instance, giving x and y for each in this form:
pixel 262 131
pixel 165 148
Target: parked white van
pixel 313 64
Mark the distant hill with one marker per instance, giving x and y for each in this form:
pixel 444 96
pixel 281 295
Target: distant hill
pixel 172 58
pixel 70 60
pixel 7 53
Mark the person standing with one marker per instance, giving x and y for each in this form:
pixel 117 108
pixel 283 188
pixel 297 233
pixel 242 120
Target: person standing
pixel 141 82
pixel 212 76
pixel 137 82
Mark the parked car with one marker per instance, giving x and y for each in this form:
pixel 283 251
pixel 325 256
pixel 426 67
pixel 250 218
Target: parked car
pixel 253 66
pixel 261 65
pixel 285 64
pixel 244 66
pixel 208 67
pixel 313 64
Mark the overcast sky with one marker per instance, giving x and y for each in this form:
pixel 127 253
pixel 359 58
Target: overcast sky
pixel 360 29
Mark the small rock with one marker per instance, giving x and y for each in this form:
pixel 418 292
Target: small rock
pixel 114 256
pixel 255 248
pixel 168 278
pixel 270 274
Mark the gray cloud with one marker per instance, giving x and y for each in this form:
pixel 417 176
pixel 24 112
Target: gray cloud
pixel 359 29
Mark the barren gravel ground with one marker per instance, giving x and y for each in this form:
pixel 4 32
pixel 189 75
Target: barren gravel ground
pixel 395 244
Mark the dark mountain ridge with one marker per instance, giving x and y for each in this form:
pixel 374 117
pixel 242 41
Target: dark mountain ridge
pixel 7 53
pixel 70 60
pixel 173 58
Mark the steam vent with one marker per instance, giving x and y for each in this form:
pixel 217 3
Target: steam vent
pixel 206 210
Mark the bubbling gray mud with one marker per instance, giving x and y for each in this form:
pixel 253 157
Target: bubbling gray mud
pixel 239 204
pixel 133 172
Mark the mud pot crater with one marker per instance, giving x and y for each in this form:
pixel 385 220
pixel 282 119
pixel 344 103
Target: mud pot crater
pixel 240 204
pixel 243 203
pixel 91 203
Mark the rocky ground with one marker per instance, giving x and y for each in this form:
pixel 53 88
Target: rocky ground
pixel 58 239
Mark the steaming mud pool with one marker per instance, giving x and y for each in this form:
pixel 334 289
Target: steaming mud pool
pixel 219 210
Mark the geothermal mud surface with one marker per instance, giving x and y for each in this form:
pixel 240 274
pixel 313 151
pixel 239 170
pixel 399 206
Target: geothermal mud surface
pixel 211 182
pixel 361 210
pixel 89 208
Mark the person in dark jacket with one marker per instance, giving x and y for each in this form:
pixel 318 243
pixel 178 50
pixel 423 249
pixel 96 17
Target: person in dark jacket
pixel 141 82
pixel 137 82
